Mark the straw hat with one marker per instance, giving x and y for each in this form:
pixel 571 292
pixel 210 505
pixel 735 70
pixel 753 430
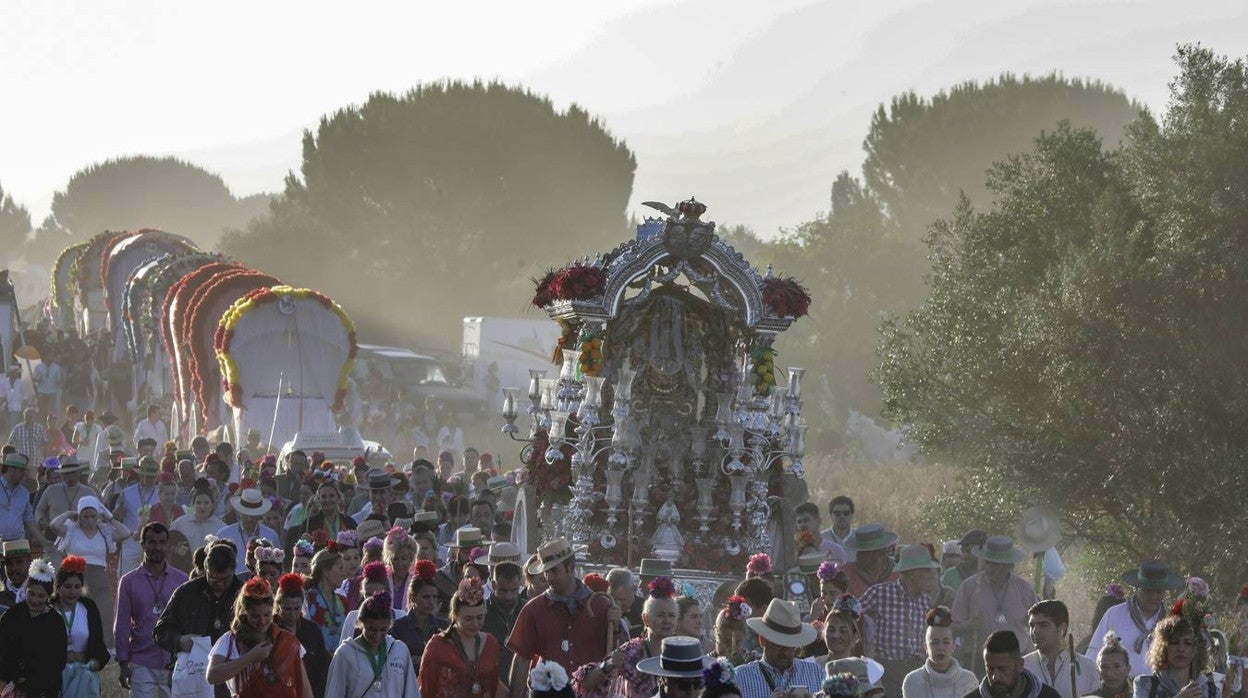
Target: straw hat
pixel 503 552
pixel 1037 530
pixel 809 563
pixel 551 555
pixel 17 460
pixel 469 537
pixel 251 502
pixel 782 624
pixel 19 547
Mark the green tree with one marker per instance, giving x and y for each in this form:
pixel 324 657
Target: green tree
pixel 1083 344
pixel 14 225
pixel 443 201
pixel 865 258
pixel 141 192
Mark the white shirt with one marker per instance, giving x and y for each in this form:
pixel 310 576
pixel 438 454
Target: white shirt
pixel 13 393
pixel 1118 618
pixel 88 437
pixel 1087 678
pixel 147 429
pixel 234 532
pixel 93 548
pixel 79 633
pixel 195 531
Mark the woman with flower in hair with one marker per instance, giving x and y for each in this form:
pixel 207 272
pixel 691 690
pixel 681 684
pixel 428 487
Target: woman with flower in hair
pixel 86 653
pixel 844 685
pixel 940 676
pixel 462 661
pixel 759 566
pixel 375 578
pixel 268 561
pixel 301 562
pixel 422 620
pixel 288 615
pixel 832 583
pixel 1179 651
pixel 349 547
pixel 323 604
pixel 257 658
pixel 842 630
pixel 617 675
pixel 399 552
pixel 374 664
pixel 1113 664
pixel 372 550
pixel 730 631
pixel 718 680
pixel 33 641
pixel 330 519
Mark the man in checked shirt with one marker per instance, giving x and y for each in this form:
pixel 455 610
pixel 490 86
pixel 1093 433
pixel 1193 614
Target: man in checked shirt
pixel 899 609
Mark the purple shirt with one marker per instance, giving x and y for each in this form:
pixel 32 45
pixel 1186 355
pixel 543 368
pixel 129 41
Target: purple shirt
pixel 140 599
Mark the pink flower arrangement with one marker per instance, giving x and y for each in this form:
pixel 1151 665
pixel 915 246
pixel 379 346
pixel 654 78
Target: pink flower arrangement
pixel 759 564
pixel 828 570
pixel 662 588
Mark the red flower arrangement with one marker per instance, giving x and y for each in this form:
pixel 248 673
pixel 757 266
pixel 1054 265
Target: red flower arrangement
pixel 785 296
pixel 596 583
pixel 662 588
pixel 425 570
pixel 577 282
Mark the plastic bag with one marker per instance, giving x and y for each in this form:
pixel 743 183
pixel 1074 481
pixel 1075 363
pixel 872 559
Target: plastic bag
pixel 190 672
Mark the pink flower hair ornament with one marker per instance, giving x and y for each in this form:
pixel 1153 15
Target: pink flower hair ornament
pixel 759 564
pixel 828 570
pixel 662 588
pixel 275 556
pixel 470 591
pixel 348 539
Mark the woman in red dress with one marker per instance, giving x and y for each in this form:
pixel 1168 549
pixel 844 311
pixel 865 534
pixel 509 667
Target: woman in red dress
pixel 255 657
pixel 462 661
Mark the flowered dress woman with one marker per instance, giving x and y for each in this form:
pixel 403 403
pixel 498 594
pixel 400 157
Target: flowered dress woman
pixel 462 661
pixel 618 675
pixel 86 652
pixel 323 604
pixel 256 658
pixel 33 642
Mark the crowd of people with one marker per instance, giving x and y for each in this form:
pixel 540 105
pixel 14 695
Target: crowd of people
pixel 210 567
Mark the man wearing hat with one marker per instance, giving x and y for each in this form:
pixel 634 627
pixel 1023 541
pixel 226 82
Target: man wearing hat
pixel 678 667
pixel 996 598
pixel 872 564
pixel 251 507
pixel 566 624
pixel 17 518
pixel 380 490
pixel 133 505
pixel 447 580
pixel 969 564
pixel 781 633
pixel 1134 618
pixel 16 566
pixel 64 495
pixel 504 602
pixel 899 609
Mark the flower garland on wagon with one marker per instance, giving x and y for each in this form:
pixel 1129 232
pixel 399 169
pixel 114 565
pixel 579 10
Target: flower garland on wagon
pixel 229 368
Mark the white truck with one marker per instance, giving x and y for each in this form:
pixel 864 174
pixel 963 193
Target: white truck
pixel 499 351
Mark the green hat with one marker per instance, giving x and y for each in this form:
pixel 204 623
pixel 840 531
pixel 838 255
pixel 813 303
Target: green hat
pixel 915 557
pixel 148 465
pixel 873 537
pixel 16 548
pixel 809 563
pixel 1153 575
pixel 655 567
pixel 1000 549
pixel 16 460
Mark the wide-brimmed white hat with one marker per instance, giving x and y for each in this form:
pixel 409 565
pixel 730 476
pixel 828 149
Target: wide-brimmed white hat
pixel 251 503
pixel 782 624
pixel 503 552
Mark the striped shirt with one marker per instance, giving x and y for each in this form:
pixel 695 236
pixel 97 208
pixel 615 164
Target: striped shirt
pixel 759 679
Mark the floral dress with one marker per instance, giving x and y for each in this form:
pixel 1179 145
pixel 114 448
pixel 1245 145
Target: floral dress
pixel 625 680
pixel 328 614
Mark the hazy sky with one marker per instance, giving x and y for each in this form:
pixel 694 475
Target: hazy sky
pixel 752 106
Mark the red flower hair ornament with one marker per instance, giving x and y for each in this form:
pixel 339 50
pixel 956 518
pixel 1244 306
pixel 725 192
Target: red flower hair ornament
pixel 662 588
pixel 425 570
pixel 290 584
pixel 596 583
pixel 257 588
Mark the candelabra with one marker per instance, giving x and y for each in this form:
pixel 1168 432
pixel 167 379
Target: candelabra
pixel 568 410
